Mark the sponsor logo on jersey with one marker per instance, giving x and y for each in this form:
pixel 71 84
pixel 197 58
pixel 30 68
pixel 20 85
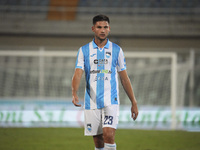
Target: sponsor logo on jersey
pixel 101 78
pixel 101 61
pixel 100 71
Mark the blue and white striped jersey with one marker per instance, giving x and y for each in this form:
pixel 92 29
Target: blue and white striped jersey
pixel 101 66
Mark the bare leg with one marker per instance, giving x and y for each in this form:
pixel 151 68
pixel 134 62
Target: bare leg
pixel 109 135
pixel 109 138
pixel 98 141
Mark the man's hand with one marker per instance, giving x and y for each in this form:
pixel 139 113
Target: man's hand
pixel 75 101
pixel 134 111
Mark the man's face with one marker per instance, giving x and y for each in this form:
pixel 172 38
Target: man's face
pixel 101 30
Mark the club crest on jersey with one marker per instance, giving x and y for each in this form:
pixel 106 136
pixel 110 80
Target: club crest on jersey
pixel 89 127
pixel 108 54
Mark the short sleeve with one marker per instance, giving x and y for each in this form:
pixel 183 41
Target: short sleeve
pixel 80 59
pixel 121 61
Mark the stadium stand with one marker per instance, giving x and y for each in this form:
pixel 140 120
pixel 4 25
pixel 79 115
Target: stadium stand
pixel 133 4
pixel 140 17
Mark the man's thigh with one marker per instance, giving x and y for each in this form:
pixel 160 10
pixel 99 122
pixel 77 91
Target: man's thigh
pixel 93 122
pixel 97 119
pixel 110 116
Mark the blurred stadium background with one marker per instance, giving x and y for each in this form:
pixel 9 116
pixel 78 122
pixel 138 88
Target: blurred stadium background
pixel 39 41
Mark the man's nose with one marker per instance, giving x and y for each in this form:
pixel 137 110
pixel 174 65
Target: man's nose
pixel 102 30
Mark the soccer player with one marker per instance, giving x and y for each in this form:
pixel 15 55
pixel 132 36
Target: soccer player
pixel 102 61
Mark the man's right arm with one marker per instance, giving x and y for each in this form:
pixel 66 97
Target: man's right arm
pixel 76 79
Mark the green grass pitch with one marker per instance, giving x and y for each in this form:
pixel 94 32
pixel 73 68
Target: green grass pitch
pixel 73 139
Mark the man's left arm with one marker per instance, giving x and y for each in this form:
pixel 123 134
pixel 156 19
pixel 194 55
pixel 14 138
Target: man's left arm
pixel 129 91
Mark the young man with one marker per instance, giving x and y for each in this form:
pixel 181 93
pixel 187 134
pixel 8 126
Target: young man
pixel 102 61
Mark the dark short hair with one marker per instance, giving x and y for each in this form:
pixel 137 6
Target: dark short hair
pixel 100 18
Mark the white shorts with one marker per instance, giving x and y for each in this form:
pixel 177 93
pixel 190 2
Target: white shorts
pixel 97 119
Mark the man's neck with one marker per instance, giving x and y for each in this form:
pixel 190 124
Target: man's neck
pixel 100 43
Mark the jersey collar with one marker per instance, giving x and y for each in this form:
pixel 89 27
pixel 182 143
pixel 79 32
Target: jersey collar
pixel 106 46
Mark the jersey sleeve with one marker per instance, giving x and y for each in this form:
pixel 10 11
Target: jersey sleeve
pixel 80 60
pixel 121 61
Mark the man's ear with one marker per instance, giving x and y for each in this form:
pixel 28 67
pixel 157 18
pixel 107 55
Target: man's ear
pixel 93 28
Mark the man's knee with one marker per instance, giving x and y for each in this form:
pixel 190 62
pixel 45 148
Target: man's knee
pixel 109 135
